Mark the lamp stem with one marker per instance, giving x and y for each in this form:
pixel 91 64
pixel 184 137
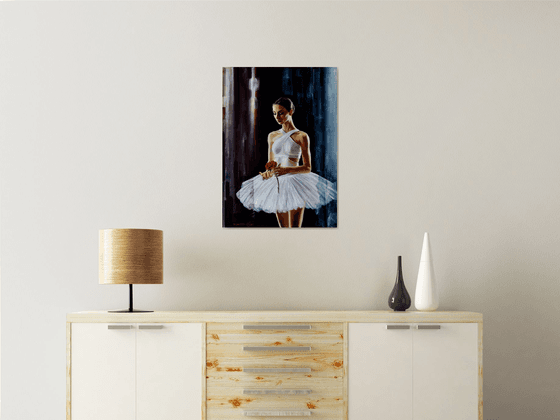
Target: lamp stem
pixel 130 308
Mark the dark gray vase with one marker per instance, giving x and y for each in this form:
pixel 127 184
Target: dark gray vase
pixel 399 299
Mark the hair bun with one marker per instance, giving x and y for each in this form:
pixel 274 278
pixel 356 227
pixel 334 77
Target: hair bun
pixel 285 102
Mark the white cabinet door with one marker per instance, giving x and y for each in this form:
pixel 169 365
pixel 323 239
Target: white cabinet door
pixel 445 373
pixel 169 371
pixel 379 372
pixel 413 374
pixel 103 365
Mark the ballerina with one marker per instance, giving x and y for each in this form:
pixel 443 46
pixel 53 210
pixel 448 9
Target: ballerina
pixel 287 188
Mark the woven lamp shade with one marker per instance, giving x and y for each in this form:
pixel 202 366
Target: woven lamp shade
pixel 130 256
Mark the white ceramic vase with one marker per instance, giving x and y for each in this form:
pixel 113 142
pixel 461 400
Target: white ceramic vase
pixel 426 298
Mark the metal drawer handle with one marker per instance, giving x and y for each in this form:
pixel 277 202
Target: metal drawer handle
pixel 150 327
pixel 276 327
pixel 277 391
pixel 429 327
pixel 277 413
pixel 398 327
pixel 267 348
pixel 276 370
pixel 119 327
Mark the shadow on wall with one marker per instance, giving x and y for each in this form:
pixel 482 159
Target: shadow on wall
pixel 520 350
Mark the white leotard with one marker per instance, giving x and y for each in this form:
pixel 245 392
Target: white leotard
pixel 285 148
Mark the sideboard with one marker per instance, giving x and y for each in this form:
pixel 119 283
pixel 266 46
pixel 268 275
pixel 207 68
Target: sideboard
pixel 330 365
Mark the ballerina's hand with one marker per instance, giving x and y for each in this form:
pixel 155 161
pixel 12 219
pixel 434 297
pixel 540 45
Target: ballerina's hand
pixel 267 174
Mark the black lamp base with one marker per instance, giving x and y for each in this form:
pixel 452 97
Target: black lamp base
pixel 128 311
pixel 130 308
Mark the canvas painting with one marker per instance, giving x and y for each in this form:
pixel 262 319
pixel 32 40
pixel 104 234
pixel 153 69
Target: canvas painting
pixel 280 140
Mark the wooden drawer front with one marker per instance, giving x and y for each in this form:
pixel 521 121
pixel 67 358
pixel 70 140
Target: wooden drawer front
pixel 243 383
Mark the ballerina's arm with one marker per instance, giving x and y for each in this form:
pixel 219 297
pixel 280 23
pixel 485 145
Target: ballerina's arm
pixel 302 139
pixel 269 174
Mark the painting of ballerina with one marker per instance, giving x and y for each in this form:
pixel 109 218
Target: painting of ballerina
pixel 280 140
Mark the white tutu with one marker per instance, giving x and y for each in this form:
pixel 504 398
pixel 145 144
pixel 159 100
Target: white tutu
pixel 289 191
pixel 296 190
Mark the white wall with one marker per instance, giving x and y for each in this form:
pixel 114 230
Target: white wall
pixel 448 123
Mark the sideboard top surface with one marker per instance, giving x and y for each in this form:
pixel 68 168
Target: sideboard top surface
pixel 276 316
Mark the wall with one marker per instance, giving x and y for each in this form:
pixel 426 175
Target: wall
pixel 448 123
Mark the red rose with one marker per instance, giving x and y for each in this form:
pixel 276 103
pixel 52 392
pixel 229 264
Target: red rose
pixel 271 165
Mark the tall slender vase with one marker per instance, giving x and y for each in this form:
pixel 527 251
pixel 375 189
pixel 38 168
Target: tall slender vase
pixel 426 298
pixel 399 299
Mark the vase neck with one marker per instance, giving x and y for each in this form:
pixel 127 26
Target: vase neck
pixel 399 270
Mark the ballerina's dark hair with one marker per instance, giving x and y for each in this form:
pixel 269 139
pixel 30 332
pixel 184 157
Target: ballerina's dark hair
pixel 285 102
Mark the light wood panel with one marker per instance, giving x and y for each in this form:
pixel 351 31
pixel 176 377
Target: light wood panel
pixel 277 413
pixel 345 371
pixel 226 378
pixel 203 363
pixel 293 380
pixel 221 362
pixel 275 347
pixel 68 371
pixel 480 373
pixel 277 316
pixel 315 328
pixel 233 404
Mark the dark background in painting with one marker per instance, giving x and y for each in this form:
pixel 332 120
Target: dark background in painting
pixel 245 130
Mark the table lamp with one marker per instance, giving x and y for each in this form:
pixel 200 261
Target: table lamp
pixel 130 256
